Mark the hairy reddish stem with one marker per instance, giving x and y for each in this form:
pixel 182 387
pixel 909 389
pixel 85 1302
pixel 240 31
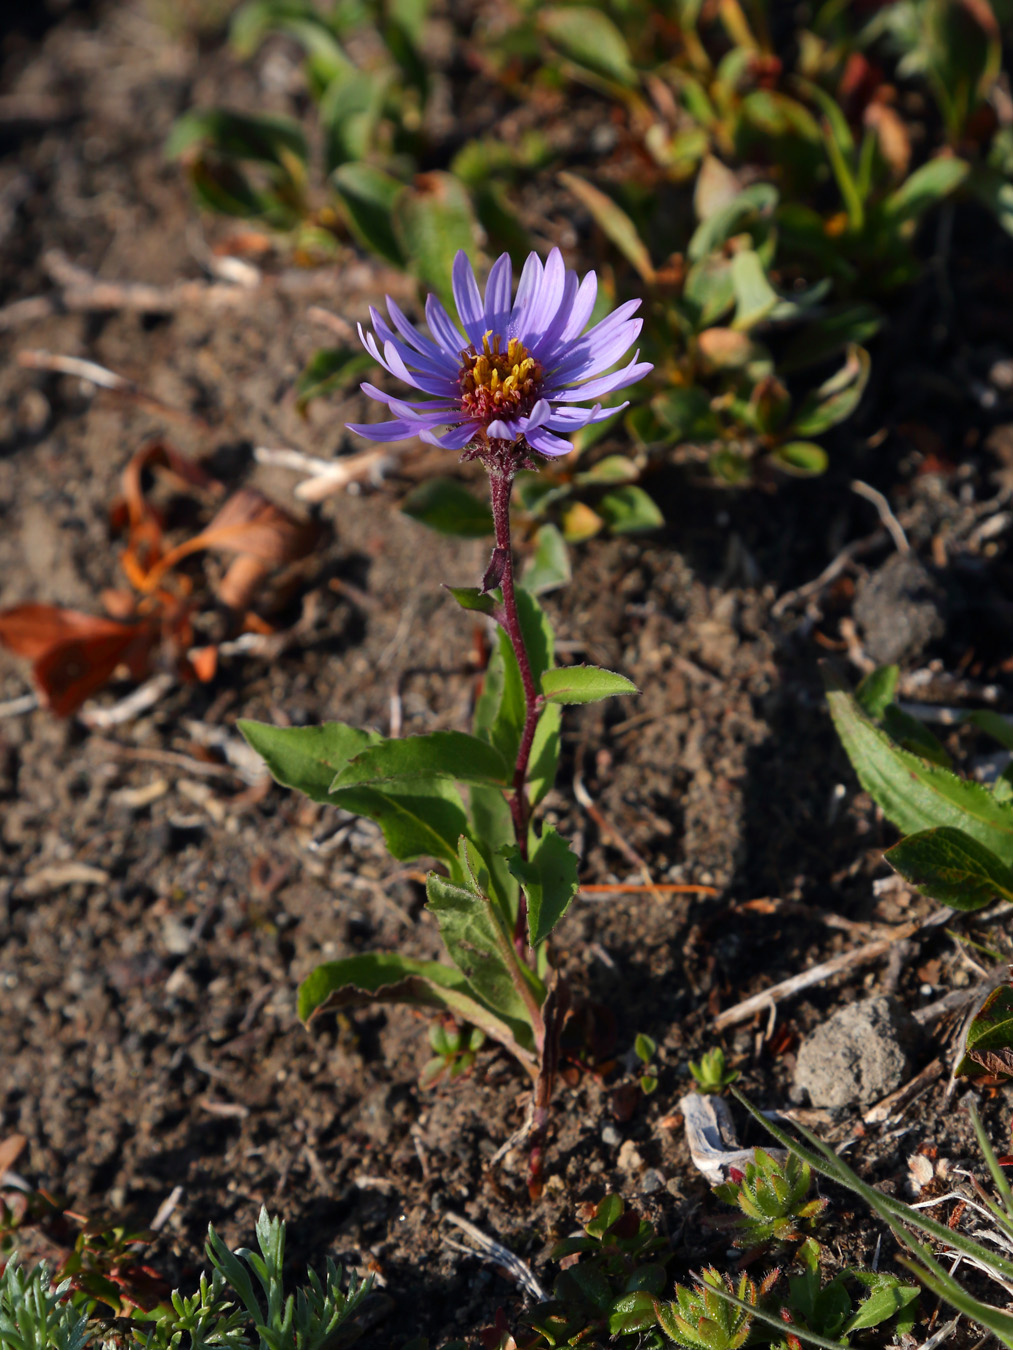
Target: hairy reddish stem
pixel 501 485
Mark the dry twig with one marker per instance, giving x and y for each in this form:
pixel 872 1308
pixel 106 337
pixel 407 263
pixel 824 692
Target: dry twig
pixel 497 1255
pixel 886 516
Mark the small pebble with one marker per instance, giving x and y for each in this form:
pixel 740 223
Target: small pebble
pixel 611 1136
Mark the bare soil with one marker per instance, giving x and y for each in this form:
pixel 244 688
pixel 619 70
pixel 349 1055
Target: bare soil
pixel 149 1031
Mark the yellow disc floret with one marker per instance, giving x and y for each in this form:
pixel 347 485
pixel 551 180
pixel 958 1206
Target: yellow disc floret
pixel 496 383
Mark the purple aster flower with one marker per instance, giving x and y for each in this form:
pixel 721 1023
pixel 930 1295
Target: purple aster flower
pixel 513 381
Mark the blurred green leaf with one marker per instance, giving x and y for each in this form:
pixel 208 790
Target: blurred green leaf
pixel 330 370
pixel 835 399
pixel 926 186
pixel 877 690
pixel 757 200
pixel 754 295
pixel 307 758
pixel 800 457
pixel 589 38
pixel 433 219
pixel 265 138
pixel 368 195
pixel 627 510
pixel 611 469
pixel 350 112
pixel 446 505
pixel 989 1044
pixel 614 223
pixel 549 565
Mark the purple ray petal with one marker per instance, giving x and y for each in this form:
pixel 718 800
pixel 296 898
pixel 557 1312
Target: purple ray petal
pixel 548 341
pixel 467 298
pixel 581 309
pixel 443 387
pixel 544 304
pixel 582 368
pixel 497 296
pixel 588 346
pixel 383 431
pixel 415 360
pixel 447 362
pixel 572 419
pixel 446 332
pixel 546 444
pixel 455 439
pixel 531 279
pixel 619 379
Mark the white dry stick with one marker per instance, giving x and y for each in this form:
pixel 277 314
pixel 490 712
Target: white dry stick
pixel 741 1012
pixel 17 707
pixel 497 1255
pixel 888 519
pixel 136 703
pixel 74 365
pixel 327 477
pixel 165 1209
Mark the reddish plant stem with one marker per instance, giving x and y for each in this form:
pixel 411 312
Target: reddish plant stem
pixel 501 486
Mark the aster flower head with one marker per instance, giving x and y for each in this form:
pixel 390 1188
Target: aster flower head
pixel 511 382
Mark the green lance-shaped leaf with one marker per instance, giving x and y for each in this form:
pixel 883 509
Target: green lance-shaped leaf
pixel 754 295
pixel 388 977
pixel 584 684
pixel 473 933
pixel 989 1044
pixel 805 458
pixel 926 186
pixel 307 758
pixel 589 38
pixel 474 600
pixel 367 195
pixel 877 691
pixel 887 1297
pixel 330 370
pixel 914 794
pixel 419 818
pixel 446 505
pixel 441 754
pixel 949 866
pixel 265 138
pixel 629 510
pixel 614 223
pixel 835 399
pixel 549 879
pixel 433 219
pixel 549 567
pixel 350 112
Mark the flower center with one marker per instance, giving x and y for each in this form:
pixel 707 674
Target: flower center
pixel 498 384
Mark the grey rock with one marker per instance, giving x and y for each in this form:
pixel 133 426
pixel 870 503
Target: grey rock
pixel 651 1181
pixel 611 1136
pixel 900 609
pixel 859 1055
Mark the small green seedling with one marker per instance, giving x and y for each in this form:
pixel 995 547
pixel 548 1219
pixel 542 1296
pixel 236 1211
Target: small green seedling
pixel 772 1199
pixel 455 1051
pixel 700 1319
pixel 646 1049
pixel 711 1073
